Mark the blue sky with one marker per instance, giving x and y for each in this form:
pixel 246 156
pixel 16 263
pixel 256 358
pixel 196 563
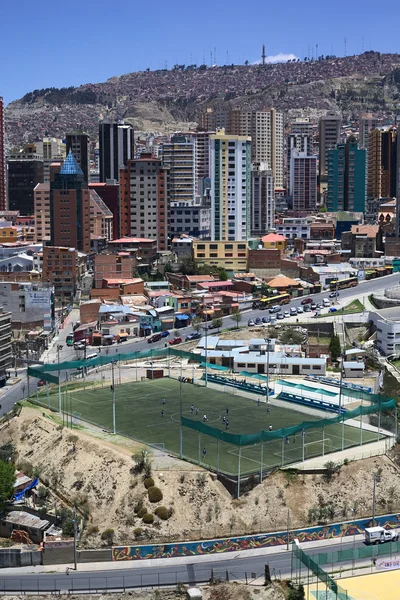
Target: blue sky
pixel 58 44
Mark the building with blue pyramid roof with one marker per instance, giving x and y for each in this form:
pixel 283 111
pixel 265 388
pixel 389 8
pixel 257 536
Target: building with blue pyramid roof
pixel 70 166
pixel 70 207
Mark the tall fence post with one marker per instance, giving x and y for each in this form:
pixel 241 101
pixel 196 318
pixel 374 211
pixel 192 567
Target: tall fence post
pixel 261 461
pixel 379 424
pixel 238 481
pixel 217 456
pixel 303 433
pixel 323 440
pixel 199 446
pixel 342 432
pixel 283 452
pixel 395 421
pixel 361 428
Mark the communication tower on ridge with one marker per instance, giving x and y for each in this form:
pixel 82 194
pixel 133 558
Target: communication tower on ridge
pixel 263 57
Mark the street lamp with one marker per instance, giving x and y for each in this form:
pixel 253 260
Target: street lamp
pixel 376 479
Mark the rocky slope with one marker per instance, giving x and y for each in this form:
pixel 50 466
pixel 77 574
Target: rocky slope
pixel 97 475
pixel 162 101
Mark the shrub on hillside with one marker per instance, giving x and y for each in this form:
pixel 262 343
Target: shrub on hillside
pixel 148 518
pixel 142 512
pixel 138 506
pixel 155 494
pixel 162 513
pixel 148 482
pixel 108 536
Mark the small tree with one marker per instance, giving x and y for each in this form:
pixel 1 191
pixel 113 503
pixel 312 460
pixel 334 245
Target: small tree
pixel 334 348
pixel 196 324
pixel 217 323
pixel 222 274
pixel 7 480
pixel 236 316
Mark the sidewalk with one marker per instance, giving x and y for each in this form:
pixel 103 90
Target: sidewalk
pixel 183 560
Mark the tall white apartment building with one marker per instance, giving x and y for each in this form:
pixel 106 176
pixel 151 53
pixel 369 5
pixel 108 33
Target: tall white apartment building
pixel 230 186
pixel 266 130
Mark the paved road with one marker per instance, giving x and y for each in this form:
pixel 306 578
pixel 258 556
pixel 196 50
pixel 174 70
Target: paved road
pixel 154 573
pixel 363 289
pixel 12 395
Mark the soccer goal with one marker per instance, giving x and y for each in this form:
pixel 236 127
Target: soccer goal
pixel 160 445
pixel 317 447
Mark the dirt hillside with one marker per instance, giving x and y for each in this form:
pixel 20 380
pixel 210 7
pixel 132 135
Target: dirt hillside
pixel 97 474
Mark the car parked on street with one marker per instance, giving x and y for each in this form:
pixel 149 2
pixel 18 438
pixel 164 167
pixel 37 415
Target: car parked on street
pixel 258 321
pixel 266 319
pixel 193 336
pixel 154 338
pixel 176 340
pixel 307 301
pixel 164 334
pixel 333 294
pixel 250 323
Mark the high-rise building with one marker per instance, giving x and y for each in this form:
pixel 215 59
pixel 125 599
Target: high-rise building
pixel 6 354
pixel 25 171
pixel 267 139
pixel 262 203
pixel 303 181
pixel 179 157
pixel 101 219
pixel 382 163
pixel 302 126
pixel 212 118
pixel 201 141
pixel 367 123
pixel 109 193
pixel 329 137
pixel 3 195
pixel 145 199
pixel 302 142
pixel 51 149
pixel 116 147
pixel 230 186
pixel 347 178
pixel 70 207
pixel 78 143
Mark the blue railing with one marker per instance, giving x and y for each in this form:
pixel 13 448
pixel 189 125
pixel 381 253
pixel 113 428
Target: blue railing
pixel 311 402
pixel 239 384
pixel 336 383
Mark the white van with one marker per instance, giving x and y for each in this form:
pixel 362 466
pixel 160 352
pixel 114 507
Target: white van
pixel 90 356
pixel 326 302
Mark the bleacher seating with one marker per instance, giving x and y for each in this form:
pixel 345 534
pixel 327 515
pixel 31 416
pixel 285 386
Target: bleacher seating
pixel 311 402
pixel 336 383
pixel 239 384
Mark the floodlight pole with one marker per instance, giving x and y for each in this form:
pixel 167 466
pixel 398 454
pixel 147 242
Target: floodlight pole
pixel 261 461
pixel 206 330
pixel 238 481
pixel 323 440
pixel 113 396
pixel 361 422
pixel 59 347
pixel 180 418
pixel 267 393
pixel 341 398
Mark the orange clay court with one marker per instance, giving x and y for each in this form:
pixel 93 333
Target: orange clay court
pixel 377 586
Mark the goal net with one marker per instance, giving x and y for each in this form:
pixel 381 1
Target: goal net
pixel 316 447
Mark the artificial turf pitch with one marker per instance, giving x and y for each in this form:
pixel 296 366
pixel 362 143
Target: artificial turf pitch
pixel 139 416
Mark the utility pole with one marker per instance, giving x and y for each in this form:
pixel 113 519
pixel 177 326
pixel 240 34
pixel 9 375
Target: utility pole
pixel 287 530
pixel 376 479
pixel 75 536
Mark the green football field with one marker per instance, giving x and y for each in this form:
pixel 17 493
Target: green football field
pixel 139 407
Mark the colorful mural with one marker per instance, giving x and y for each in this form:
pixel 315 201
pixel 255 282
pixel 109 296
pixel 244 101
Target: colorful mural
pixel 251 541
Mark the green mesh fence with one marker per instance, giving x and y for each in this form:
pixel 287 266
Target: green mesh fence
pixel 265 436
pixel 350 554
pixel 306 388
pixel 300 558
pixel 108 359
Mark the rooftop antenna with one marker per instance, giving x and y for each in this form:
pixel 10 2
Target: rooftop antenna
pixel 204 57
pixel 316 51
pixel 215 56
pixel 263 57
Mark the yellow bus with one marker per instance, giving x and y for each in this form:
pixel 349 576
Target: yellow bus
pixel 341 284
pixel 272 301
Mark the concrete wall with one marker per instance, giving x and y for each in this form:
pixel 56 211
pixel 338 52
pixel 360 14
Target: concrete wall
pixel 18 557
